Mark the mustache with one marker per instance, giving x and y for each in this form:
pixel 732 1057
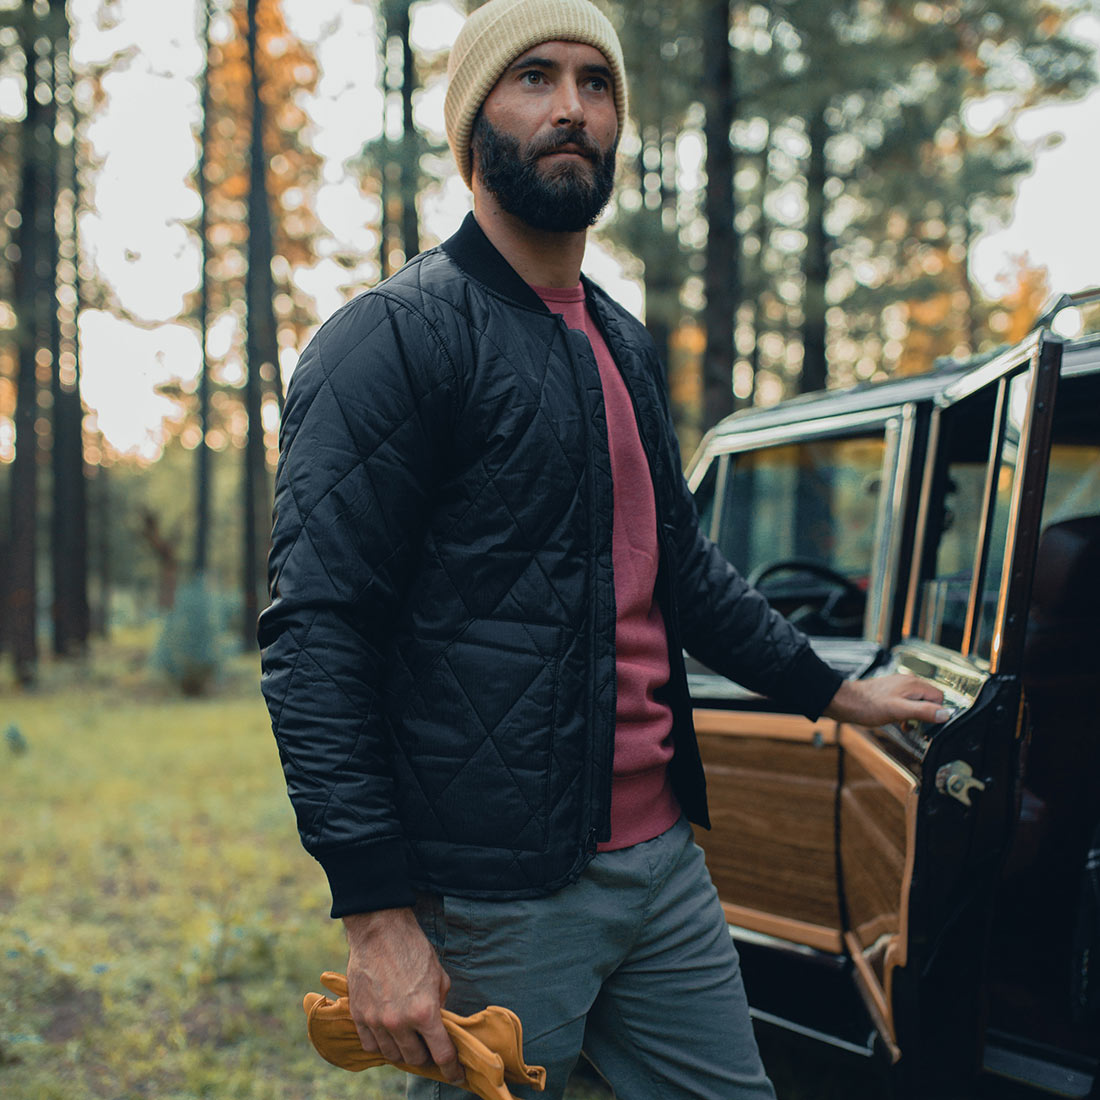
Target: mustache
pixel 575 136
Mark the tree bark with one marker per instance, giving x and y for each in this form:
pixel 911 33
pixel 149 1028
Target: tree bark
pixel 23 582
pixel 722 272
pixel 261 351
pixel 69 514
pixel 815 265
pixel 202 464
pixel 203 471
pixel 410 142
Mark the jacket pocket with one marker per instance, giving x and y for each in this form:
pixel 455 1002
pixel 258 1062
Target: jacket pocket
pixel 475 741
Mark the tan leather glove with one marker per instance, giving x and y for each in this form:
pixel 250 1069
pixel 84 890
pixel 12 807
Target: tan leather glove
pixel 489 1043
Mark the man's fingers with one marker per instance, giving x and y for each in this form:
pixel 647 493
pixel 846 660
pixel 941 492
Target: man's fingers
pixel 404 1047
pixel 413 1051
pixel 442 1051
pixel 931 712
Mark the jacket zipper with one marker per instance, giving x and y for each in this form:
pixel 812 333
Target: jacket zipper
pixel 671 612
pixel 598 801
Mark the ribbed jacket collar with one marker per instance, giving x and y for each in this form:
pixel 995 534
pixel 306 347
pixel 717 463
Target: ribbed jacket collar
pixel 479 258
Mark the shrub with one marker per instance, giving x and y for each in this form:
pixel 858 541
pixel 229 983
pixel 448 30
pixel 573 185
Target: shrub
pixel 189 650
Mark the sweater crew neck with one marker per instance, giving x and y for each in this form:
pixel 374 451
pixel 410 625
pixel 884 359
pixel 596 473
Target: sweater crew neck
pixel 560 295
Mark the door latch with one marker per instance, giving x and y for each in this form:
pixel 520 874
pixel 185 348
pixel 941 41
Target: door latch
pixel 957 780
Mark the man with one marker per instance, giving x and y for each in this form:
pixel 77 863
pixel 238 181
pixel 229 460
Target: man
pixel 485 566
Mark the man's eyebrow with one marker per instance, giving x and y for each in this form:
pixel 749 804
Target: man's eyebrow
pixel 532 61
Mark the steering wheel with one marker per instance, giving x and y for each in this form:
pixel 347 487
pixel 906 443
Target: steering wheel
pixel 827 614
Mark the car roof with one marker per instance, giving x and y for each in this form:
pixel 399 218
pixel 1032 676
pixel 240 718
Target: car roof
pixel 1080 356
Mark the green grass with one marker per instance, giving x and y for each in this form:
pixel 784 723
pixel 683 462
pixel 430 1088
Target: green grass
pixel 159 920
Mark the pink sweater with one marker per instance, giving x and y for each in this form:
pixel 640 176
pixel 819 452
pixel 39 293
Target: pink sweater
pixel 642 803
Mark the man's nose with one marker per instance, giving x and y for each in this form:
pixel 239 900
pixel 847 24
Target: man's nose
pixel 568 107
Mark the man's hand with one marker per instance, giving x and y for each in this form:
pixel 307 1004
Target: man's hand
pixel 396 988
pixel 896 698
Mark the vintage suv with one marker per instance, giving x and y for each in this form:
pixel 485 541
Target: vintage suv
pixel 922 896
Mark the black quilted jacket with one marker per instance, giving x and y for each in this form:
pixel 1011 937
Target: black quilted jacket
pixel 439 654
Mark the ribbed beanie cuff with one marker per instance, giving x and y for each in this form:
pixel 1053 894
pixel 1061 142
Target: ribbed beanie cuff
pixel 500 31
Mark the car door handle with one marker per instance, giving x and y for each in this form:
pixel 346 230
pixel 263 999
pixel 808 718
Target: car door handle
pixel 957 780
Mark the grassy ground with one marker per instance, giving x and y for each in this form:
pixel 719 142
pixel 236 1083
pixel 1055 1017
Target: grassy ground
pixel 159 921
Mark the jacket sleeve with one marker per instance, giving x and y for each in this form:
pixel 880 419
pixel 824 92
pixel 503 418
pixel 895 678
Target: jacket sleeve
pixel 729 626
pixel 366 419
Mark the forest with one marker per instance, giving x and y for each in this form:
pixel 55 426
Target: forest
pixel 187 190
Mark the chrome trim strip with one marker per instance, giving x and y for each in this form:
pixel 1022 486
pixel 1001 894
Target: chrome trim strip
pixel 1018 357
pixel 799 431
pixel 818 1036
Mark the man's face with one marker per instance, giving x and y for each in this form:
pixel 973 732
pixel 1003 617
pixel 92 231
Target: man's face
pixel 544 141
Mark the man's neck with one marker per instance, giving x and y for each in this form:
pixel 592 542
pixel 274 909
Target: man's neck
pixel 539 257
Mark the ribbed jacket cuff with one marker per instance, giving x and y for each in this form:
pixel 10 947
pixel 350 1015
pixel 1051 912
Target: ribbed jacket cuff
pixel 811 684
pixel 362 880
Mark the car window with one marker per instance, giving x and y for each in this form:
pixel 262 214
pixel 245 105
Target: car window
pixel 1073 482
pixel 1005 473
pixel 954 522
pixel 814 500
pixel 705 494
pixel 811 503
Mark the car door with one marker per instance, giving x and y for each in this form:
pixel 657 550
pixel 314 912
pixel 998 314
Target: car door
pixel 870 855
pixel 806 511
pixel 925 813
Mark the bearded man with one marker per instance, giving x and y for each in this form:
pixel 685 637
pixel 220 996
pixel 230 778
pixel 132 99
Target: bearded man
pixel 485 568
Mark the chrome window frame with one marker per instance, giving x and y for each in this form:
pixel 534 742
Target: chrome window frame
pixel 1024 359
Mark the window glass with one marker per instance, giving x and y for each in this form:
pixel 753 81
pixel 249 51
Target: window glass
pixel 704 495
pixel 1008 465
pixel 812 503
pixel 1073 482
pixel 954 521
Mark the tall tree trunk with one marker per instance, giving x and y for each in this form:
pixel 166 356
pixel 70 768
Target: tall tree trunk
pixel 203 473
pixel 658 277
pixel 69 516
pixel 23 583
pixel 722 273
pixel 410 143
pixel 261 350
pixel 384 239
pixel 970 320
pixel 104 516
pixel 815 264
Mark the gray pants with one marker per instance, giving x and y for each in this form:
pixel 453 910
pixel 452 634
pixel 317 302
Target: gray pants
pixel 632 963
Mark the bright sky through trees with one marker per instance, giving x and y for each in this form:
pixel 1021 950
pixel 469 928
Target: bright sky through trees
pixel 144 137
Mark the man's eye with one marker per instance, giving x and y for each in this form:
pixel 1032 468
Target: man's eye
pixel 598 84
pixel 532 77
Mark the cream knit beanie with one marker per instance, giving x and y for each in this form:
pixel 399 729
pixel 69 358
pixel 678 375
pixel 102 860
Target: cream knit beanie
pixel 496 34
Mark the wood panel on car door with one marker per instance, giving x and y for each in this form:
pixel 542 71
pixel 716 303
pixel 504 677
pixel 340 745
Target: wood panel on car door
pixel 772 788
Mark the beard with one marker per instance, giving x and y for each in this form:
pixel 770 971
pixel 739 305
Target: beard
pixel 567 198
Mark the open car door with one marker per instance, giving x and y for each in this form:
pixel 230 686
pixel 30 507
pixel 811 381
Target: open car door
pixel 805 510
pixel 857 865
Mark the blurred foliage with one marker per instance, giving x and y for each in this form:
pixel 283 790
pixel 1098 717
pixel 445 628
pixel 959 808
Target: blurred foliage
pixel 872 143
